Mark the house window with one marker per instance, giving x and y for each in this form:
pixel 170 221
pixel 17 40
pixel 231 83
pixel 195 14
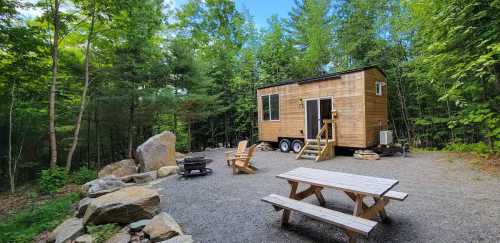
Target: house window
pixel 378 88
pixel 271 107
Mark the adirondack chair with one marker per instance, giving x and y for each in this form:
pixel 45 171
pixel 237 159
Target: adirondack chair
pixel 232 155
pixel 242 163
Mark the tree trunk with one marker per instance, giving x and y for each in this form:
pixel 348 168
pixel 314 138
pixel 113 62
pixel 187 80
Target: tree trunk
pixel 131 131
pixel 84 93
pixel 12 172
pixel 52 98
pixel 189 137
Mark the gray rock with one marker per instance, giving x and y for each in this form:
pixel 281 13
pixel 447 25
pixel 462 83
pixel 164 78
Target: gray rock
pixel 82 206
pixel 69 230
pixel 138 225
pixel 145 177
pixel 180 239
pixel 119 237
pixel 102 186
pixel 162 227
pixel 124 206
pixel 167 170
pixel 84 239
pixel 119 169
pixel 156 152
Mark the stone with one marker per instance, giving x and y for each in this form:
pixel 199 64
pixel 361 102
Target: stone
pixel 179 156
pixel 145 177
pixel 138 225
pixel 82 206
pixel 120 237
pixel 119 169
pixel 167 170
pixel 162 227
pixel 156 152
pixel 366 155
pixel 84 239
pixel 102 186
pixel 180 239
pixel 127 178
pixel 69 230
pixel 124 206
pixel 264 146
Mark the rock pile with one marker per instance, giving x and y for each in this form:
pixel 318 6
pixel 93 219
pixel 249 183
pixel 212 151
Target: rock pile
pixel 117 197
pixel 366 155
pixel 135 208
pixel 264 146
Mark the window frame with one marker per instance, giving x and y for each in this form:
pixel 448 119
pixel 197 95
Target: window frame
pixel 378 88
pixel 270 108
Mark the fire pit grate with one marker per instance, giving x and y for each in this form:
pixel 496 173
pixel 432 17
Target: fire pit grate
pixel 193 166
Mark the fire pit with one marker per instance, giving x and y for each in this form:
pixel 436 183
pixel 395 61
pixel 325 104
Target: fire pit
pixel 196 164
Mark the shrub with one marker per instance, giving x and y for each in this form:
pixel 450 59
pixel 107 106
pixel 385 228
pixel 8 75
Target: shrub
pixel 28 223
pixel 83 175
pixel 477 148
pixel 101 233
pixel 53 179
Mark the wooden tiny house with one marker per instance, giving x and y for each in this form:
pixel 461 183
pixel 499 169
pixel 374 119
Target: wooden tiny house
pixel 352 105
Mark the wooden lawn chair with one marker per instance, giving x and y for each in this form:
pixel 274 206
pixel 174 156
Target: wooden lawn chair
pixel 242 163
pixel 232 155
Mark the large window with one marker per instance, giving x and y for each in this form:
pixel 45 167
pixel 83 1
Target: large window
pixel 271 107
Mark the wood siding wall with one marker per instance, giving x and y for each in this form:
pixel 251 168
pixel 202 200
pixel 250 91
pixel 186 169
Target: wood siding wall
pixel 376 107
pixel 348 94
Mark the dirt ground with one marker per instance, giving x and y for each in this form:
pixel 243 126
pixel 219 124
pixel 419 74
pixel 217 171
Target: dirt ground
pixel 449 201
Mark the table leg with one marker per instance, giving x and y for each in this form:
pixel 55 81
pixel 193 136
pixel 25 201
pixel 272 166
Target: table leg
pixel 382 213
pixel 358 205
pixel 293 192
pixel 319 195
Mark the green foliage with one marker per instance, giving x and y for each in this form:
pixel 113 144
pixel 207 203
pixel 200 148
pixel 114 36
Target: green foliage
pixel 100 233
pixel 52 180
pixel 83 175
pixel 477 148
pixel 27 223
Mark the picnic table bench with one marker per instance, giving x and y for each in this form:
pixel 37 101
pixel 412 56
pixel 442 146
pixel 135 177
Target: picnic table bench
pixel 356 187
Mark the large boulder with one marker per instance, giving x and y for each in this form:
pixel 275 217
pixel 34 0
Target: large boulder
pixel 156 152
pixel 124 206
pixel 120 237
pixel 69 230
pixel 144 177
pixel 167 170
pixel 162 227
pixel 84 239
pixel 101 186
pixel 121 168
pixel 180 239
pixel 82 206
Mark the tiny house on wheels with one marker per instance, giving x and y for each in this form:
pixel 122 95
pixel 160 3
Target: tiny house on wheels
pixel 313 115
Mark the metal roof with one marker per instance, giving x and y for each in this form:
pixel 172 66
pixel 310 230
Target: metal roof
pixel 335 75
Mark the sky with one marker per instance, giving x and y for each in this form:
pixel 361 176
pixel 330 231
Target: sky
pixel 261 10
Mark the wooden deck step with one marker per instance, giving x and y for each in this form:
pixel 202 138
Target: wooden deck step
pixel 311 151
pixel 314 147
pixel 339 219
pixel 306 156
pixel 400 196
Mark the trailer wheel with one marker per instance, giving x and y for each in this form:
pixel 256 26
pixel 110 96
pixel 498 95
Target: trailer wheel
pixel 284 145
pixel 297 145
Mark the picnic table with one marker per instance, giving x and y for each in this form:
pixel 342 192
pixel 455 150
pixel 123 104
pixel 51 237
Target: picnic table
pixel 356 187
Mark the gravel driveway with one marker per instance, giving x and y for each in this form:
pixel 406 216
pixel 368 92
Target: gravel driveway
pixel 448 201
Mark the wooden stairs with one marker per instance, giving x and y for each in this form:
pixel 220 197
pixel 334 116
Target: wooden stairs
pixel 321 148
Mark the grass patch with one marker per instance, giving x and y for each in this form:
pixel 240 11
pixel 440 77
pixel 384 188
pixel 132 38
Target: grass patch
pixel 25 224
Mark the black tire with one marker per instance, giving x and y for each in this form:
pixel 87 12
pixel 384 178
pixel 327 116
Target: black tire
pixel 297 145
pixel 284 145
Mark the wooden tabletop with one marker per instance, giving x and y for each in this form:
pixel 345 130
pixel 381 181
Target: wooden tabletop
pixel 367 185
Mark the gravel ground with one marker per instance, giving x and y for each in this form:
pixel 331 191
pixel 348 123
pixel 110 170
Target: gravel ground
pixel 448 201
